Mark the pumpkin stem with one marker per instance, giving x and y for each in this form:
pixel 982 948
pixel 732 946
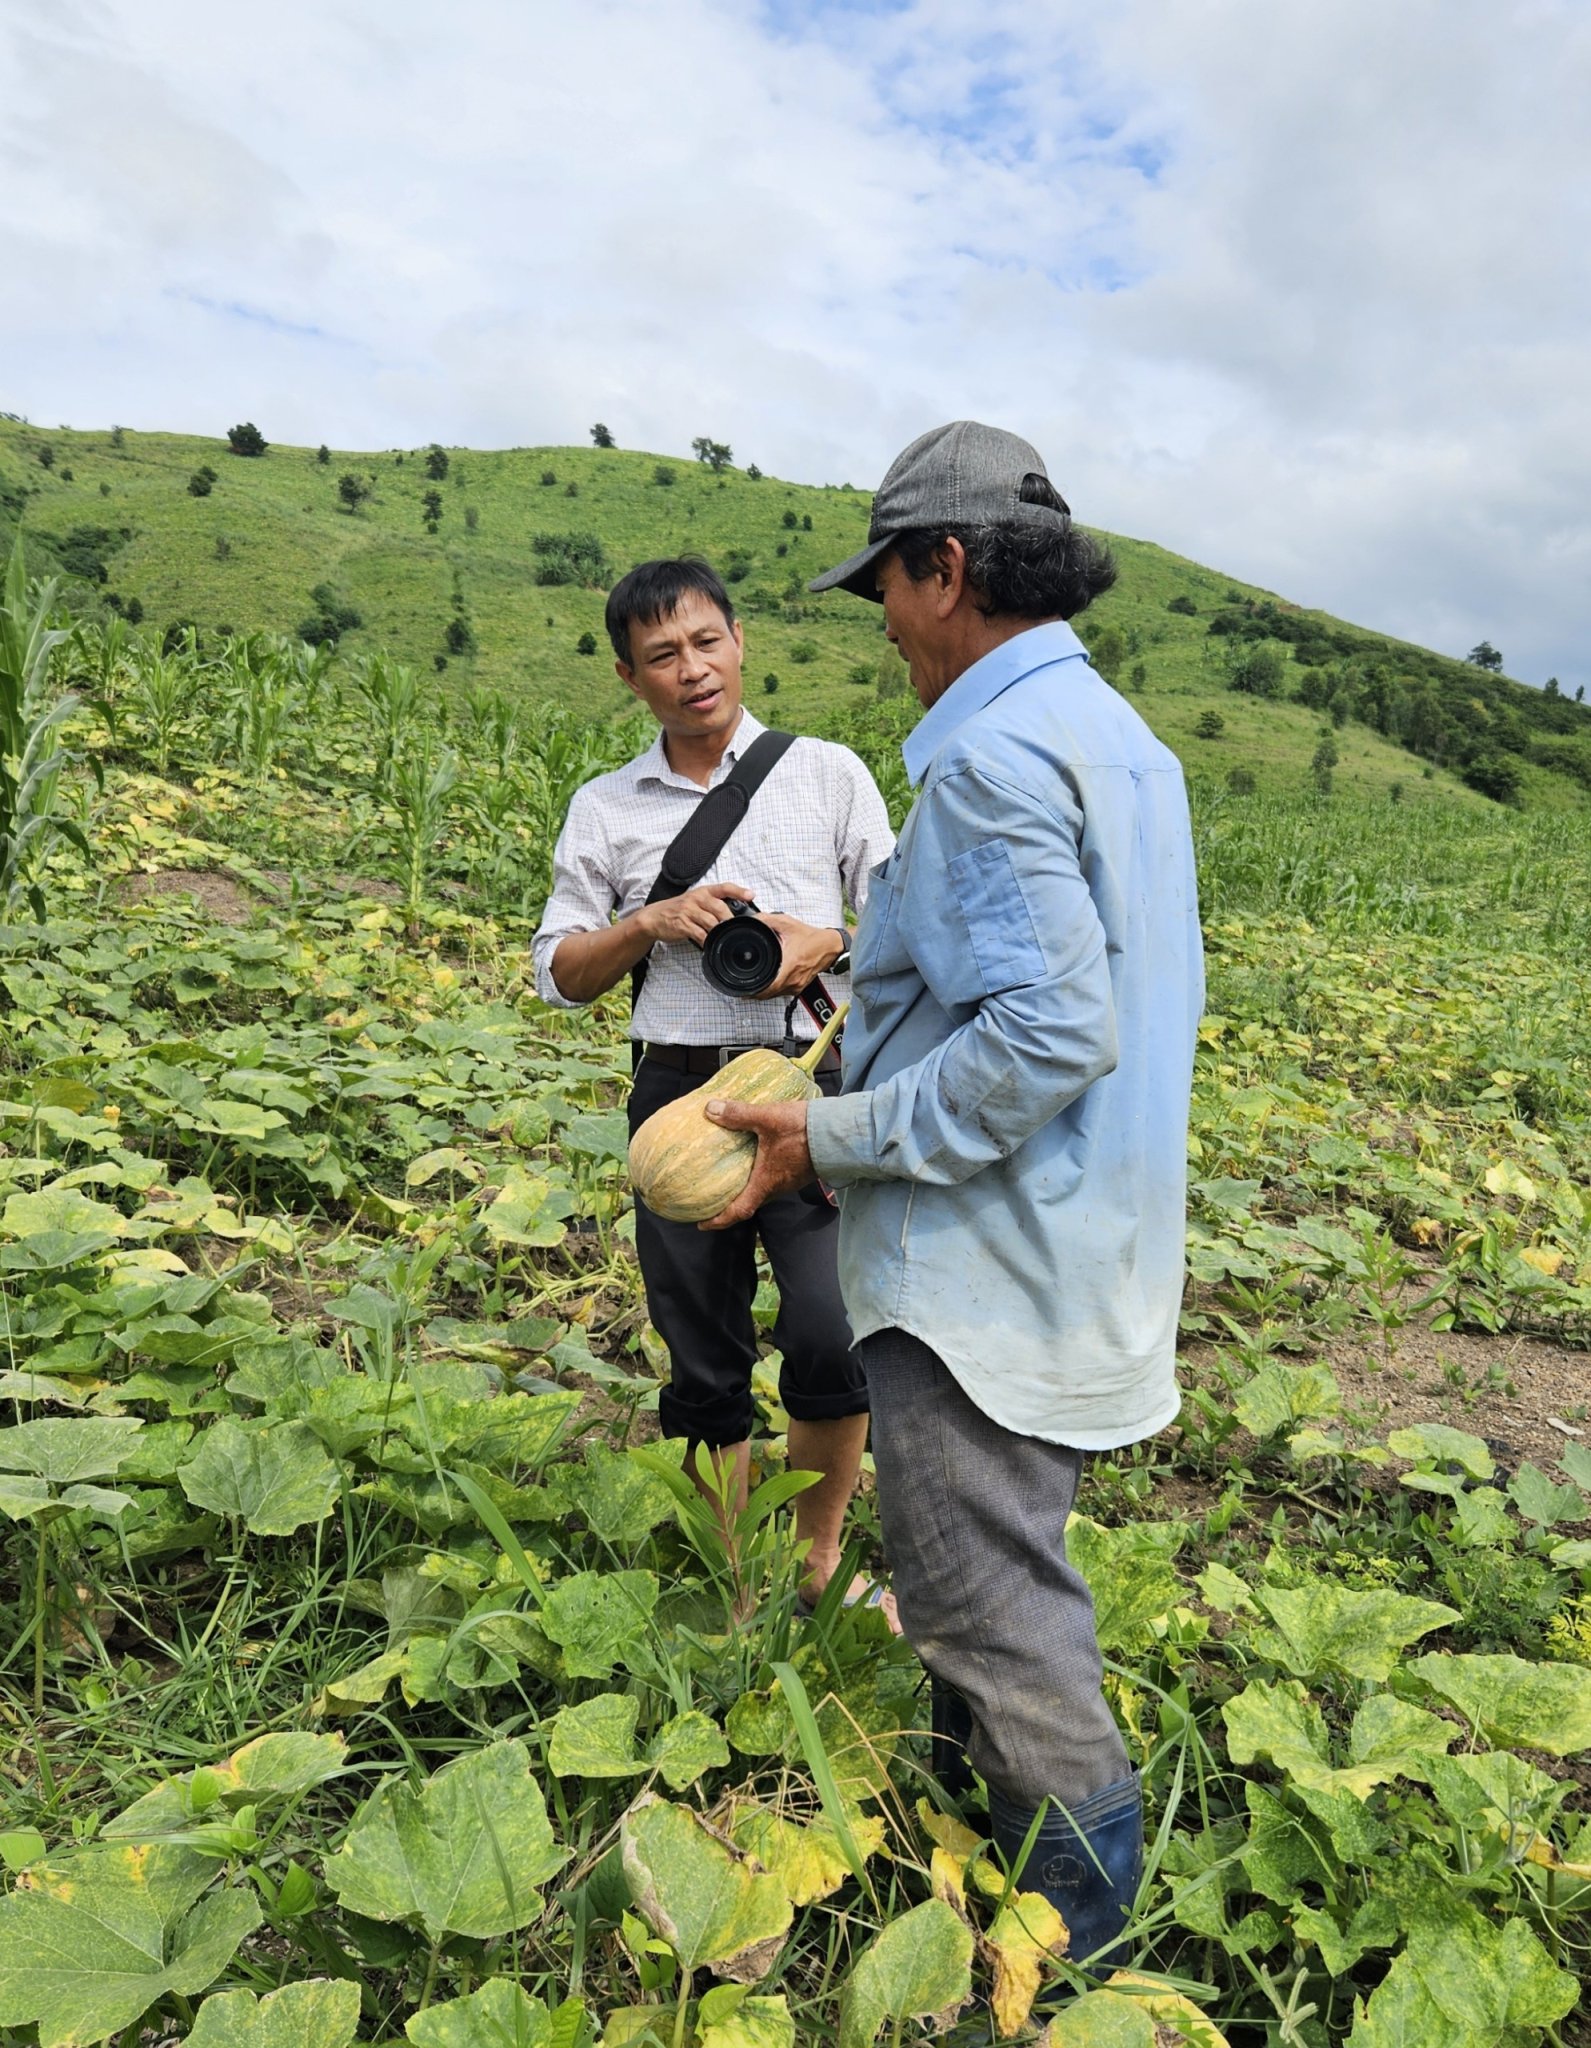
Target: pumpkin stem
pixel 820 1045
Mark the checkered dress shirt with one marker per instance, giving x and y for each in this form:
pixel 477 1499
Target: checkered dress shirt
pixel 805 846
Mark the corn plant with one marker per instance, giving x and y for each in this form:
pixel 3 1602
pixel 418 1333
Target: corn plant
pixel 260 698
pixel 392 701
pixel 424 782
pixel 164 690
pixel 31 759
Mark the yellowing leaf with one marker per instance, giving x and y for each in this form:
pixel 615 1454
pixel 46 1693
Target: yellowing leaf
pixel 1025 1931
pixel 316 2014
pixel 699 1894
pixel 806 1857
pixel 1507 1179
pixel 920 1967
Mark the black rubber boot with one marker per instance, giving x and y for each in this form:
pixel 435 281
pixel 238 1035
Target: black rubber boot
pixel 1087 1863
pixel 952 1731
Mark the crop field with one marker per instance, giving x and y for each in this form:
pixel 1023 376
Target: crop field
pixel 369 1670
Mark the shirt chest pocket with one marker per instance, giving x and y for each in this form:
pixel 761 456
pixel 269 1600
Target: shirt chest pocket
pixel 879 949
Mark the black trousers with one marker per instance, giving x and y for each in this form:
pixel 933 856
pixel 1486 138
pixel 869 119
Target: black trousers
pixel 699 1289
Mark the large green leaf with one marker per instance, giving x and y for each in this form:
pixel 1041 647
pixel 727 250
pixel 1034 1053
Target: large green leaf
pixel 1467 1983
pixel 1326 1628
pixel 1438 1443
pixel 1280 1396
pixel 731 2017
pixel 596 1617
pixel 919 1967
pixel 60 1210
pixel 1389 1738
pixel 65 1449
pixel 24 1498
pixel 89 1943
pixel 682 1749
pixel 1523 1706
pixel 463 1854
pixel 1129 1573
pixel 596 1739
pixel 699 1895
pixel 622 1501
pixel 273 1476
pixel 1541 1501
pixel 320 2013
pixel 270 1768
pixel 499 2015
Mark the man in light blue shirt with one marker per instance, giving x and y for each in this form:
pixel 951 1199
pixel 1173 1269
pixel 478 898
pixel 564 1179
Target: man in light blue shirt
pixel 1010 1141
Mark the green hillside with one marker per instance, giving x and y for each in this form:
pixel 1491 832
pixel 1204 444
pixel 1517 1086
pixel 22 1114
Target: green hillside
pixel 270 544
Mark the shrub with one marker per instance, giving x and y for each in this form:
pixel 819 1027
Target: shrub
pixel 770 684
pixel 1209 726
pixel 664 473
pixel 571 490
pixel 1395 792
pixel 352 490
pixel 460 636
pixel 860 673
pixel 104 490
pixel 133 611
pixel 548 477
pixel 782 549
pixel 246 439
pixel 570 558
pixel 753 473
pixel 586 644
pixel 789 519
pixel 1494 775
pixel 223 548
pixel 1254 668
pixel 1107 652
pixel 323 455
pixel 472 519
pixel 806 522
pixel 435 463
pixel 199 485
pixel 47 456
pixel 804 650
pixel 68 477
pixel 431 501
pixel 1183 604
pixel 331 618
pixel 1241 782
pixel 1140 675
pixel 1321 763
pixel 118 437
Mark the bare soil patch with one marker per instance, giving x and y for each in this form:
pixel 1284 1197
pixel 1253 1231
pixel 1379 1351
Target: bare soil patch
pixel 220 896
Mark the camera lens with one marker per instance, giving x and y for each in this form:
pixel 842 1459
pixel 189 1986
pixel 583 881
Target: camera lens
pixel 741 956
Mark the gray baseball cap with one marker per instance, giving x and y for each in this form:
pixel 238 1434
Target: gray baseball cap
pixel 965 474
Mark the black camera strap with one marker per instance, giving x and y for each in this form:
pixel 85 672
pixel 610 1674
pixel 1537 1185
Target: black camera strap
pixel 708 830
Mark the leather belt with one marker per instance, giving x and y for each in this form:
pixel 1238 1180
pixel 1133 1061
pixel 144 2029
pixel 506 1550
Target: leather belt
pixel 707 1059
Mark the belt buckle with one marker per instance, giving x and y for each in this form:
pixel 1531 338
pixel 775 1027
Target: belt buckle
pixel 726 1053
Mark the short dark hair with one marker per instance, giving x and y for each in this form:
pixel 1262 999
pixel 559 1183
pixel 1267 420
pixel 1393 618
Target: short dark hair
pixel 1052 570
pixel 654 590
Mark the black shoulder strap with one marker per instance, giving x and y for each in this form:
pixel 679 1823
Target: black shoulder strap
pixel 710 826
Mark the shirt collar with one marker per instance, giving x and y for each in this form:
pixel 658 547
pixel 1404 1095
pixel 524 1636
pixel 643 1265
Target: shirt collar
pixel 653 765
pixel 977 688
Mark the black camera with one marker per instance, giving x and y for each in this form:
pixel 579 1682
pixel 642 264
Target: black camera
pixel 742 955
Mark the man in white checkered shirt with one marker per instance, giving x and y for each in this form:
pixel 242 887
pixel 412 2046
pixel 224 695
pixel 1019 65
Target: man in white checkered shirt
pixel 813 831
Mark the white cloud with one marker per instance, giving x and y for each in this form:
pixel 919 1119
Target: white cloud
pixel 1302 292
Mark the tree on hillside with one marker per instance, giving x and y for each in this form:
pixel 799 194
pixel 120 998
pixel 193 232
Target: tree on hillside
pixel 436 463
pixel 716 454
pixel 1486 656
pixel 1254 668
pixel 1579 695
pixel 601 437
pixel 323 455
pixel 353 491
pixel 432 502
pixel 753 473
pixel 246 439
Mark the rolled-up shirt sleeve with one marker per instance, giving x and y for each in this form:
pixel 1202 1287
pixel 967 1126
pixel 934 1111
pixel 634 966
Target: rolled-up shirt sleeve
pixel 583 896
pixel 993 910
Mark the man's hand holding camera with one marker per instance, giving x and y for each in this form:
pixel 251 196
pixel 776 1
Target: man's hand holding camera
pixel 691 916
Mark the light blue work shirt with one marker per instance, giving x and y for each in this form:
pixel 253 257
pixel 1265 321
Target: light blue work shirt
pixel 1011 1138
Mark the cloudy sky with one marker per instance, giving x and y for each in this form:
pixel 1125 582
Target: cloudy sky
pixel 1301 290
